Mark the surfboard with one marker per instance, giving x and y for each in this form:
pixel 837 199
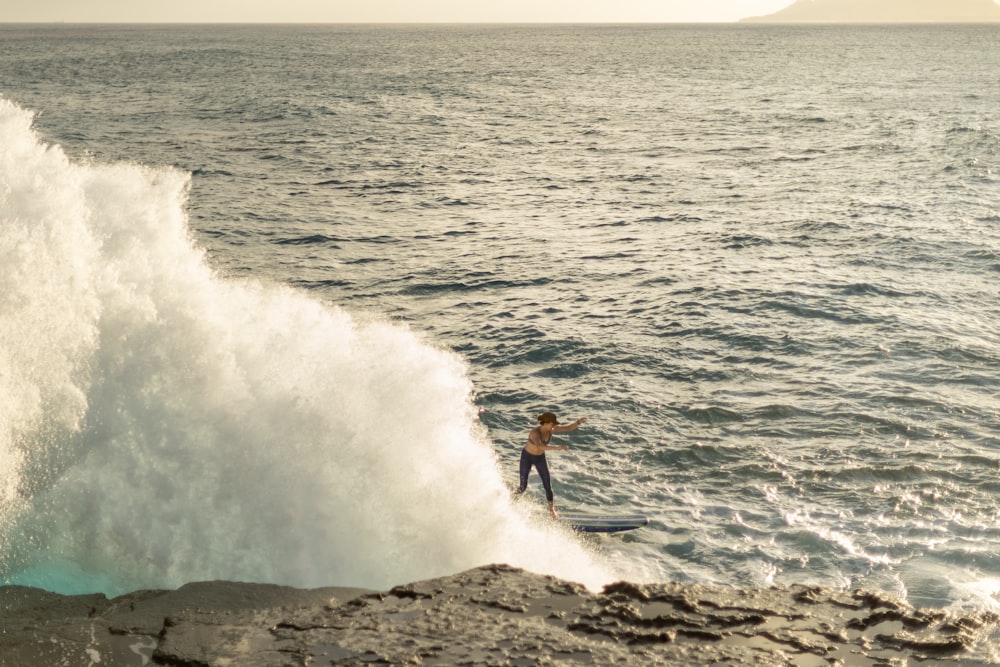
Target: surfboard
pixel 604 524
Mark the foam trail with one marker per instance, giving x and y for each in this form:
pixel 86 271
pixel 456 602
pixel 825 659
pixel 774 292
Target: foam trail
pixel 160 424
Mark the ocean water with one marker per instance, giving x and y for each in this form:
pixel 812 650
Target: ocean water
pixel 280 303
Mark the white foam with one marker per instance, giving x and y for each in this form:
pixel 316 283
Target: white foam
pixel 160 424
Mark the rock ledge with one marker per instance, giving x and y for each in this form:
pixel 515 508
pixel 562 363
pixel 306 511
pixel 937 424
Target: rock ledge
pixel 493 615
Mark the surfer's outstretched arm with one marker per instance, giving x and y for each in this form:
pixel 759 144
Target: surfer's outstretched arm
pixel 569 427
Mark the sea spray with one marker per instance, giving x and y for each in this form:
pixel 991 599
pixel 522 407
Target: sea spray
pixel 161 424
pixel 48 309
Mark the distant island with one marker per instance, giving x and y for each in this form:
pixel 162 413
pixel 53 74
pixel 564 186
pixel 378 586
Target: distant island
pixel 884 11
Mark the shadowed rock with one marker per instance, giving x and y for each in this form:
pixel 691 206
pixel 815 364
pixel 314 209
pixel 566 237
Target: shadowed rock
pixel 493 615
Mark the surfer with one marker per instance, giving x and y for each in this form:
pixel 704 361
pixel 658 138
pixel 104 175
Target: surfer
pixel 533 453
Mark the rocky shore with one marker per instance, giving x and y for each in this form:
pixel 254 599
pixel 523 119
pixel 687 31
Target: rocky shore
pixel 493 615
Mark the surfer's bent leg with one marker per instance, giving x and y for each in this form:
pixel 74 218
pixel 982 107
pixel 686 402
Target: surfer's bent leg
pixel 543 472
pixel 525 470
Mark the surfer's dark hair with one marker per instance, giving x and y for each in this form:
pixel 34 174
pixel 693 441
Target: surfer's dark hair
pixel 547 417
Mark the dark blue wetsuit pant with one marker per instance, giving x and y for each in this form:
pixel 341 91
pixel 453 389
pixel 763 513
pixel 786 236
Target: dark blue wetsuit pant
pixel 528 460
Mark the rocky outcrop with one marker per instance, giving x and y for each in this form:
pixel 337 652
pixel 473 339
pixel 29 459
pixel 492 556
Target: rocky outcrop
pixel 885 11
pixel 492 615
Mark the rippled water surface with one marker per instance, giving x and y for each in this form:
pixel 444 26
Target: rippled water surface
pixel 761 260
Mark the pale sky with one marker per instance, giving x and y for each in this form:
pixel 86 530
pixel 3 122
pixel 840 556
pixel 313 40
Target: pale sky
pixel 392 11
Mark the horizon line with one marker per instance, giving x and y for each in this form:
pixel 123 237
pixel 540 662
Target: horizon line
pixel 754 20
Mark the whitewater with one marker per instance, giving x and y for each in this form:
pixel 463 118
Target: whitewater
pixel 162 424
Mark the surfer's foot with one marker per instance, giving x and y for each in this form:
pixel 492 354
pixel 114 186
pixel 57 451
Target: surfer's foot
pixel 552 511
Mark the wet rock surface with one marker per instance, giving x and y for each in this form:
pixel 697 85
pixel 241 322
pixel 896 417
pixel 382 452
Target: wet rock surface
pixel 493 615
